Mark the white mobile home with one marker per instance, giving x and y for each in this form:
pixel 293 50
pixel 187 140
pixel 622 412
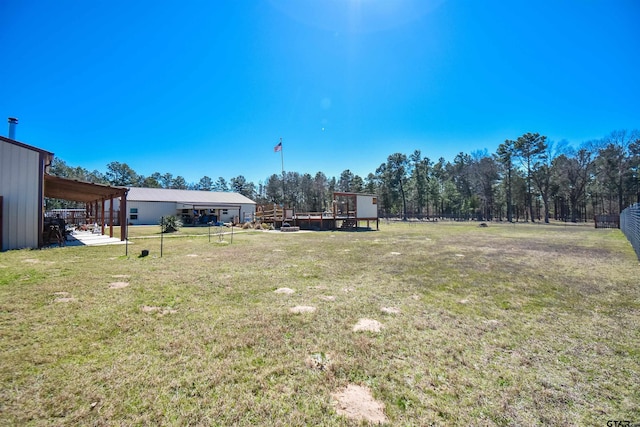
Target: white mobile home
pixel 146 206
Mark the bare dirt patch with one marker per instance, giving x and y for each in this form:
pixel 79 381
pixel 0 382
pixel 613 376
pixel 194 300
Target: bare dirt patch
pixel 284 291
pixel 390 310
pixel 370 325
pixel 118 285
pixel 299 309
pixel 357 402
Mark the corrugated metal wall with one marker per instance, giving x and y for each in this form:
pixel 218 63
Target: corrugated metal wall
pixel 19 184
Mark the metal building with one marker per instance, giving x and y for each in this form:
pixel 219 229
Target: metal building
pixel 22 171
pixel 25 182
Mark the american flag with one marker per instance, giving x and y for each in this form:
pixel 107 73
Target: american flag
pixel 277 147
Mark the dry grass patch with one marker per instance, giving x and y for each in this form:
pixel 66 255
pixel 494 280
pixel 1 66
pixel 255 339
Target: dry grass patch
pixel 161 311
pixel 390 310
pixel 534 325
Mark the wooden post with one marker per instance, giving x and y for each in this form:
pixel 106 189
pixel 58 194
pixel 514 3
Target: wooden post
pixel 111 217
pixel 102 212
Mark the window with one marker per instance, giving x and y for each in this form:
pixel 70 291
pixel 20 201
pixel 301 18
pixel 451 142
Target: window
pixel 225 211
pixel 135 216
pixel 133 210
pixel 374 201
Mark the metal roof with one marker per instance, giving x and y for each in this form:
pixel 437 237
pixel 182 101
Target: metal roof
pixel 138 194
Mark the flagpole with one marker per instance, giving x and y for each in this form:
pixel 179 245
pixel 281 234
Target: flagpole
pixel 281 156
pixel 282 161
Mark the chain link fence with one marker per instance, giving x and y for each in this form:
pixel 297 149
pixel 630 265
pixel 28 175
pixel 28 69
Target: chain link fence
pixel 630 226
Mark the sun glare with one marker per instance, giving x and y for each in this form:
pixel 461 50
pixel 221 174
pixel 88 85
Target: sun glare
pixel 357 16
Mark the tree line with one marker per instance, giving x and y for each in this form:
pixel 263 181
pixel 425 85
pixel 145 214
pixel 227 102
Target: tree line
pixel 526 179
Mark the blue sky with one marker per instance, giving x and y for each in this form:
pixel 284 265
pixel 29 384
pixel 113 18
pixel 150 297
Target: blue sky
pixel 200 88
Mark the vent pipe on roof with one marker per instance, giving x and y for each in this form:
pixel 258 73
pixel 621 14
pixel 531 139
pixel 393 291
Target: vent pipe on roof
pixel 12 127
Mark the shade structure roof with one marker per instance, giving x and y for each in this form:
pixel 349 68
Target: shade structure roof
pixel 56 187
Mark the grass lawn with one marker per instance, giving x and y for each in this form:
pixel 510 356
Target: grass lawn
pixel 505 325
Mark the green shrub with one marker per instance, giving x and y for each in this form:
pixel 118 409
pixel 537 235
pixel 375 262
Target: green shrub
pixel 170 223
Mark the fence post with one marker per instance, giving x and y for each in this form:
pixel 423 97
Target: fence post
pixel 126 239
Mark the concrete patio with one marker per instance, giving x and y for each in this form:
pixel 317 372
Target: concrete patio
pixel 87 238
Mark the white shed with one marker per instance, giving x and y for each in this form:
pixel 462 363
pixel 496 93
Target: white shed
pixel 145 206
pixel 351 208
pixel 367 206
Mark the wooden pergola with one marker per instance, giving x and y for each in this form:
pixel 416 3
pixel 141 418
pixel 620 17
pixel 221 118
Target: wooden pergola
pixel 92 195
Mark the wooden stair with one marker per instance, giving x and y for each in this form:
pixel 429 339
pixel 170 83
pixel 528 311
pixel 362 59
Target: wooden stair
pixel 349 224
